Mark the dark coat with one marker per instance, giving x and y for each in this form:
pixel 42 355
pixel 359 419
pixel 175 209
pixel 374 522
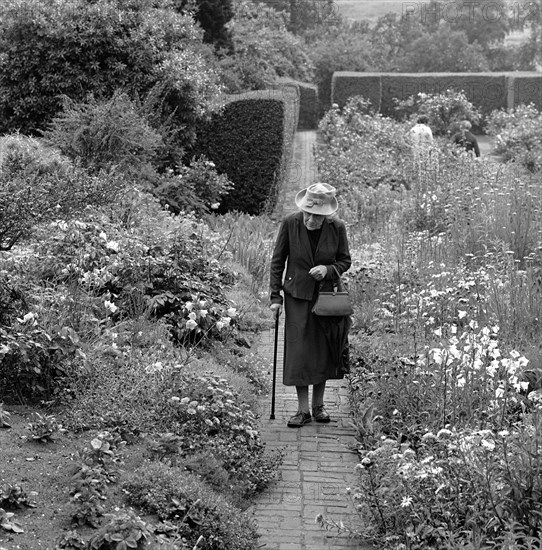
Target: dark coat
pixel 468 141
pixel 293 249
pixel 313 346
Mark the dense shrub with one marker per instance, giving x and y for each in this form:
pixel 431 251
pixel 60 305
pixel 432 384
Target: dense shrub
pixel 33 175
pixel 443 110
pixel 263 51
pixel 518 135
pixel 80 47
pixel 246 142
pixel 105 134
pixel 209 418
pixel 176 495
pixel 355 133
pixel 197 188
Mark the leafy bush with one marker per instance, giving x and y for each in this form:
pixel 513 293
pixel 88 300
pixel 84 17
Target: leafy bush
pixel 263 51
pixel 352 134
pixel 197 188
pixel 442 110
pixel 518 135
pixel 175 495
pixel 105 134
pixel 207 414
pixel 56 189
pixel 86 47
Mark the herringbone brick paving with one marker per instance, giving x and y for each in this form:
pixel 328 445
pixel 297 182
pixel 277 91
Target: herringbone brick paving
pixel 319 458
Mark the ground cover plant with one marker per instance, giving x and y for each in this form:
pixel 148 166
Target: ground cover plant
pixel 446 384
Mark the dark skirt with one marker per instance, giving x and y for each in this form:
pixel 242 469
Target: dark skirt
pixel 312 347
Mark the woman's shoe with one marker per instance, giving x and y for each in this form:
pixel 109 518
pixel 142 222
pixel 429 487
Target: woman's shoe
pixel 320 414
pixel 299 419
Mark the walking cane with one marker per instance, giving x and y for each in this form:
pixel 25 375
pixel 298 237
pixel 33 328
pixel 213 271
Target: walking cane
pixel 277 315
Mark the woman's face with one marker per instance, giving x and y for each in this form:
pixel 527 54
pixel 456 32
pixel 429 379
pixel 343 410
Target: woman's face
pixel 313 221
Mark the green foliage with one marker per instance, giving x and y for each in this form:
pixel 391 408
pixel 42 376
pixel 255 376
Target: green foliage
pixel 175 495
pixel 213 16
pixel 352 134
pixel 124 530
pixel 43 427
pixel 486 22
pixel 263 51
pixel 246 143
pixel 13 496
pixel 343 50
pixel 105 135
pixel 518 135
pixel 207 414
pixel 96 48
pixel 8 524
pixel 197 188
pixel 438 52
pixel 50 183
pixel 442 110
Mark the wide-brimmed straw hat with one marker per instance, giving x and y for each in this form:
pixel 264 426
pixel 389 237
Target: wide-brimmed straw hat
pixel 318 198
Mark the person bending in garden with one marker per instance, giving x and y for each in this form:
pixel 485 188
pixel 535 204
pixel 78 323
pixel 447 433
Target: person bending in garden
pixel 313 246
pixel 465 138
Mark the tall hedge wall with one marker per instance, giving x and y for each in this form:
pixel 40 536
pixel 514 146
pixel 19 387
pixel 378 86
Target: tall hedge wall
pixel 308 102
pixel 346 84
pixel 251 140
pixel 487 91
pixel 525 88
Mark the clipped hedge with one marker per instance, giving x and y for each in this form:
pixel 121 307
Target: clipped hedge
pixel 487 91
pixel 308 103
pixel 346 84
pixel 251 140
pixel 525 88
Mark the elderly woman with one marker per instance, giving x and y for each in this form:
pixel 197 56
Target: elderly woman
pixel 313 246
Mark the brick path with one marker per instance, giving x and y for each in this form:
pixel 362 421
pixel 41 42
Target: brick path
pixel 319 458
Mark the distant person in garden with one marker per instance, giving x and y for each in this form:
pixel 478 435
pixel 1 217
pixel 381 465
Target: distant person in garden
pixel 465 139
pixel 421 139
pixel 420 134
pixel 313 246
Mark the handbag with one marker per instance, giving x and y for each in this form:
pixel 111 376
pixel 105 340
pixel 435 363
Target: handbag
pixel 335 303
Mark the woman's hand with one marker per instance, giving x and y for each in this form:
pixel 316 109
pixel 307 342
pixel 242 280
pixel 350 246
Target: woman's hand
pixel 276 309
pixel 318 272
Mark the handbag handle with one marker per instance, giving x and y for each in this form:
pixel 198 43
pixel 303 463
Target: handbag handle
pixel 339 286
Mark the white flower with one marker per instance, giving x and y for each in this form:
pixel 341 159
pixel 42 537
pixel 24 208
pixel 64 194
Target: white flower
pixel 406 502
pixel 215 205
pixel 175 398
pixel 202 303
pixel 189 306
pixel 185 400
pixel 192 315
pixel 231 312
pixel 191 324
pixel 28 317
pixel 110 306
pixel 488 444
pixel 461 314
pixel 103 236
pixel 113 245
pixel 203 312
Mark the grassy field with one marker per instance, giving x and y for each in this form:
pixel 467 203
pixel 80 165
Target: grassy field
pixel 368 9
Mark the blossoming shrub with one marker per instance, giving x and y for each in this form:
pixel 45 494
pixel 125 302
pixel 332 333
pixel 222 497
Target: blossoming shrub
pixel 518 135
pixel 362 149
pixel 455 488
pixel 443 110
pixel 207 415
pixel 108 266
pixel 196 510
